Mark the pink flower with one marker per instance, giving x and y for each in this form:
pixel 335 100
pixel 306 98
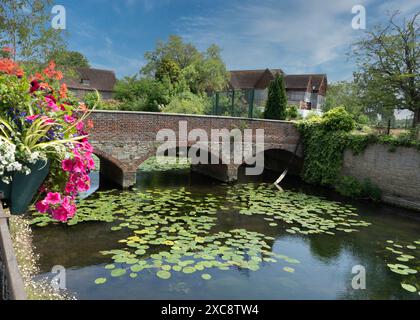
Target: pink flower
pixel 60 214
pixel 80 126
pixel 69 119
pixel 70 188
pixel 67 165
pixel 83 186
pixel 78 165
pixel 87 147
pixel 47 120
pixel 32 118
pixel 51 104
pixel 53 198
pixel 91 164
pixel 42 206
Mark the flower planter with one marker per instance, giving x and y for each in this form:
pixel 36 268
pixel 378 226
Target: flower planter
pixel 20 192
pixel 5 190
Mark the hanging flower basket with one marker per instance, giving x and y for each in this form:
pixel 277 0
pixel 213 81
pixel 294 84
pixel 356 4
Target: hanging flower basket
pixel 43 141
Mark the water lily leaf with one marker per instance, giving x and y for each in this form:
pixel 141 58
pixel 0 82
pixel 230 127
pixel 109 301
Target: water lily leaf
pixel 409 287
pixel 100 281
pixel 163 274
pixel 288 269
pixel 206 276
pixel 118 272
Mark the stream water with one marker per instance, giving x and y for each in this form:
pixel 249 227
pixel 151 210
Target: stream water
pixel 179 235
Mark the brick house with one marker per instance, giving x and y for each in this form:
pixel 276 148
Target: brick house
pixel 305 90
pixel 89 80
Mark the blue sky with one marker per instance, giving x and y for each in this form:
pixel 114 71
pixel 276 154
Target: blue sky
pixel 298 36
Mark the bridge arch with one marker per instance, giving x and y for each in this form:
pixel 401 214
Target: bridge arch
pixel 112 169
pixel 277 158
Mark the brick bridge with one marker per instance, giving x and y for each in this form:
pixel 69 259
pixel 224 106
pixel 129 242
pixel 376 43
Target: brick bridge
pixel 124 140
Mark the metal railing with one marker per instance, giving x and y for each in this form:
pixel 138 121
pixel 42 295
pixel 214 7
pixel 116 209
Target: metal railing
pixel 11 282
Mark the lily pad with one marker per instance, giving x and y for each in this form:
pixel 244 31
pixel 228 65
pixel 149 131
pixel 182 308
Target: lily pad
pixel 409 287
pixel 206 276
pixel 163 274
pixel 100 281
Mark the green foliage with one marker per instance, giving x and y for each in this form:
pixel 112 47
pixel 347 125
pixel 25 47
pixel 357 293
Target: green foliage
pixel 25 27
pixel 353 188
pixel 143 94
pixel 338 119
pixel 68 59
pixel 277 100
pixel 389 65
pixel 188 103
pixel 292 112
pixel 13 93
pixel 168 69
pixel 325 139
pixel 91 99
pixel 201 71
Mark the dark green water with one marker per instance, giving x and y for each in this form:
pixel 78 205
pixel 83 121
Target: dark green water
pixel 324 271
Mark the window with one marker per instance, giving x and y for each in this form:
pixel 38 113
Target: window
pixel 85 82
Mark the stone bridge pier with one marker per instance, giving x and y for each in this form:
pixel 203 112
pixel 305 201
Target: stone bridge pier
pixel 124 140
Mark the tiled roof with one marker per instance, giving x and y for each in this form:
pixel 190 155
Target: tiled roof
pixel 249 79
pixel 101 80
pixel 300 81
pixel 260 79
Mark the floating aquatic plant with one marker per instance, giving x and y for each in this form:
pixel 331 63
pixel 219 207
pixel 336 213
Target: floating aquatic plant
pixel 172 231
pixel 410 266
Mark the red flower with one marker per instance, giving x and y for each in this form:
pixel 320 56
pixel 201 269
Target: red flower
pixel 34 86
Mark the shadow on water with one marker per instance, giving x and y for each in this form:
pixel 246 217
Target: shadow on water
pixel 325 271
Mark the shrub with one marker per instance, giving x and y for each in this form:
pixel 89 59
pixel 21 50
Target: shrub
pixel 338 119
pixel 187 103
pixel 292 112
pixel 277 100
pixel 351 187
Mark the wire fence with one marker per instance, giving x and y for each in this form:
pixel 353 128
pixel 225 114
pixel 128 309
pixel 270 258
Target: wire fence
pixel 244 103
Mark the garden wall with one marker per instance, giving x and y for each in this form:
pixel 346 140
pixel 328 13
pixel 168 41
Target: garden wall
pixel 396 173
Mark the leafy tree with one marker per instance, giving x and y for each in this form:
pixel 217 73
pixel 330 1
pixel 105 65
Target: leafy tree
pixel 174 50
pixel 201 71
pixel 208 74
pixel 142 94
pixel 277 100
pixel 68 59
pixel 346 94
pixel 169 69
pixel 24 26
pixel 389 65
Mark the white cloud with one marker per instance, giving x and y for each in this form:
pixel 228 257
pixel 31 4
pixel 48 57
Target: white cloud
pixel 303 36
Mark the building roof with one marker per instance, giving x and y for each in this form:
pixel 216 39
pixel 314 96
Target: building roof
pixel 92 79
pixel 250 79
pixel 260 79
pixel 303 81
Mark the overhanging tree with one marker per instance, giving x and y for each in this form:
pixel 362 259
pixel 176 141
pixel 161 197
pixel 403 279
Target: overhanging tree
pixel 25 27
pixel 389 65
pixel 277 100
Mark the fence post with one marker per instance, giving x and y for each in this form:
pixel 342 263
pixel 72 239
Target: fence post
pixel 232 110
pixel 216 109
pixel 251 104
